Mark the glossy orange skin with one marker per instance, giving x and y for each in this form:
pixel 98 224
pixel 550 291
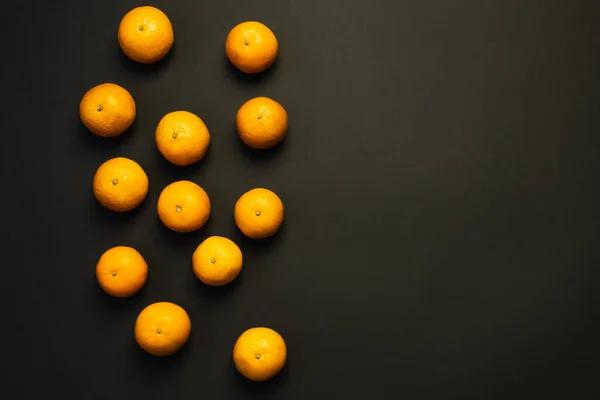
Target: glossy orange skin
pixel 120 184
pixel 262 123
pixel 182 138
pixel 162 329
pixel 145 34
pixel 107 110
pixel 252 47
pixel 183 206
pixel 259 353
pixel 259 213
pixel 121 271
pixel 217 261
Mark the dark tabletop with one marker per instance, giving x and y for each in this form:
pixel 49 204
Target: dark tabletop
pixel 440 182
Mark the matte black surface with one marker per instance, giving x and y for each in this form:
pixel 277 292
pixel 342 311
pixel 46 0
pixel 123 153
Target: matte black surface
pixel 440 181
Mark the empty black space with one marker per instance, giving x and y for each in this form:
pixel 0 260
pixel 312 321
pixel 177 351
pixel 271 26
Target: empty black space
pixel 441 191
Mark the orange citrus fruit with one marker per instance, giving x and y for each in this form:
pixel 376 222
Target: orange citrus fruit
pixel 162 328
pixel 183 206
pixel 258 213
pixel 252 47
pixel 259 353
pixel 145 34
pixel 262 123
pixel 120 184
pixel 217 261
pixel 121 271
pixel 107 110
pixel 182 138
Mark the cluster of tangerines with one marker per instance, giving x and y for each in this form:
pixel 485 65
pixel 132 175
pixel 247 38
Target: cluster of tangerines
pixel 120 184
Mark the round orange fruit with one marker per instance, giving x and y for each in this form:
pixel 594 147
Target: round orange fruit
pixel 217 261
pixel 258 213
pixel 183 206
pixel 107 110
pixel 182 138
pixel 145 34
pixel 252 47
pixel 262 123
pixel 120 184
pixel 259 354
pixel 162 328
pixel 121 271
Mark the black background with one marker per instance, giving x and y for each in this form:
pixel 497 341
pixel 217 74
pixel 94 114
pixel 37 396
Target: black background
pixel 440 180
